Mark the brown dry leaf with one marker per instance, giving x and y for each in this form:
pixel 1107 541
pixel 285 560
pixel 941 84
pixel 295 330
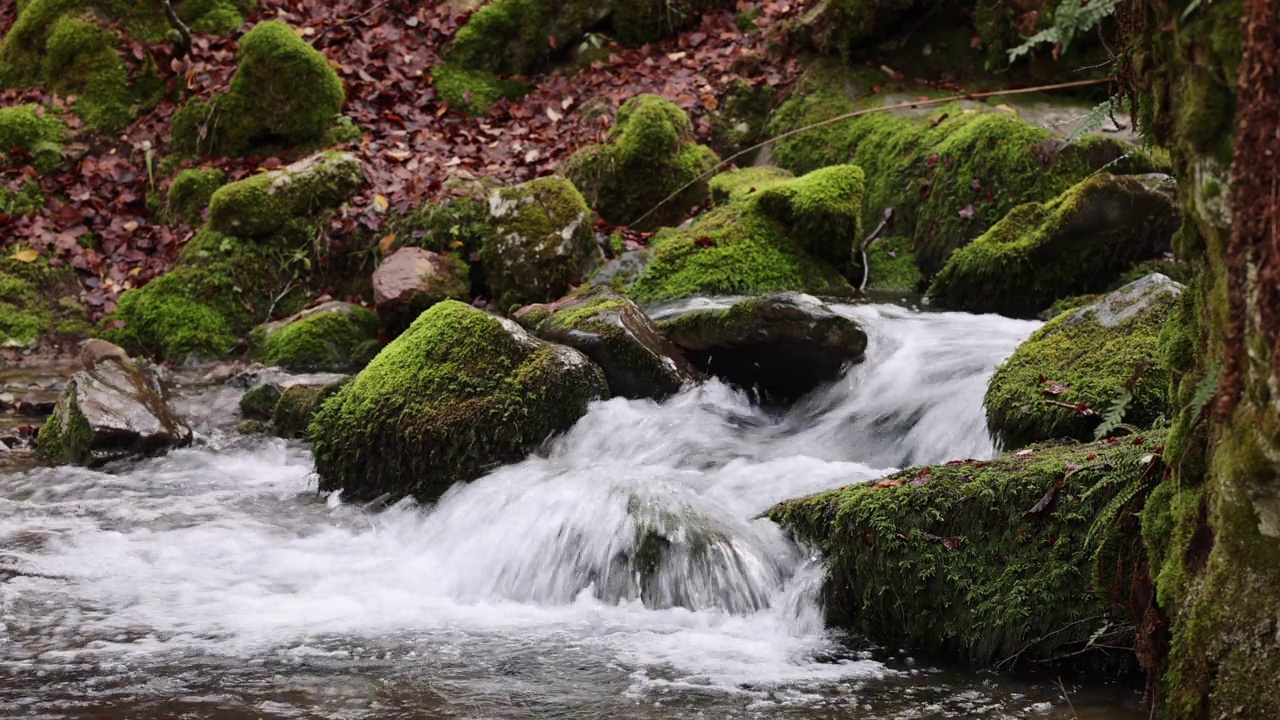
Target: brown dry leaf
pixel 386 243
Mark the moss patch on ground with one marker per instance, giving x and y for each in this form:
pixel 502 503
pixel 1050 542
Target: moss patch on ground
pixel 284 95
pixel 38 303
pixel 650 155
pixel 190 192
pixel 30 129
pixel 457 393
pixel 987 562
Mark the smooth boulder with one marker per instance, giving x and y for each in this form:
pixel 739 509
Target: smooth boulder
pixel 111 409
pixel 411 280
pixel 781 345
pixel 638 362
pixel 456 395
pixel 1084 365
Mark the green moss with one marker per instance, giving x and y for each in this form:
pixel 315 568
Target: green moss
pixel 650 156
pixel 221 287
pixel 66 437
pixel 31 129
pixel 296 408
pixel 449 225
pixel 511 37
pixel 473 91
pixel 217 17
pixel 757 244
pixel 1075 360
pixel 284 94
pixel 821 211
pixel 1077 243
pixel 736 185
pixel 191 191
pixel 948 175
pixel 80 59
pixel 846 26
pixel 259 402
pixel 542 244
pixel 24 201
pixel 328 338
pixel 458 392
pixel 955 558
pixel 642 21
pixel 31 303
pixel 891 265
pixel 262 204
pixel 739 121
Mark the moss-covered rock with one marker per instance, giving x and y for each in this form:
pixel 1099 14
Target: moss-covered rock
pixel 38 303
pixel 30 129
pixel 190 192
pixel 650 155
pixel 986 562
pixel 284 94
pixel 737 185
pixel 109 410
pixel 616 335
pixel 641 21
pixel 473 91
pixel 845 26
pixel 739 121
pixel 332 337
pixel 780 346
pixel 891 265
pixel 459 392
pixel 412 280
pixel 262 204
pixel 259 402
pixel 949 175
pixel 757 242
pixel 543 242
pixel 1078 243
pixel 1068 374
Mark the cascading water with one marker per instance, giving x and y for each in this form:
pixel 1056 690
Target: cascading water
pixel 623 570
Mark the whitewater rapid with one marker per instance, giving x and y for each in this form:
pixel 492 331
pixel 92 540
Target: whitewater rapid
pixel 218 575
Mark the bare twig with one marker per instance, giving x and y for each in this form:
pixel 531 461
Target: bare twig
pixel 184 33
pixel 866 243
pixel 854 114
pixel 1066 697
pixel 287 289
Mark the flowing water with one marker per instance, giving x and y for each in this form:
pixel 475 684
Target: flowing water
pixel 216 583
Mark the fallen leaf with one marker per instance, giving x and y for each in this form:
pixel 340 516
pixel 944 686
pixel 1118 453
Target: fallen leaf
pixel 386 243
pixel 26 256
pixel 380 203
pixel 1047 501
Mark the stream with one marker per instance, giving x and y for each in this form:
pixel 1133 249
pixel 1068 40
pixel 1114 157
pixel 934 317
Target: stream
pixel 215 582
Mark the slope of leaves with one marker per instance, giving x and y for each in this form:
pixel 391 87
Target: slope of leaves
pixel 100 217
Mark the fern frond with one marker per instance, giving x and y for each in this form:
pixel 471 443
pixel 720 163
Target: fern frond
pixel 1094 119
pixel 1205 390
pixel 1111 511
pixel 1071 18
pixel 1114 417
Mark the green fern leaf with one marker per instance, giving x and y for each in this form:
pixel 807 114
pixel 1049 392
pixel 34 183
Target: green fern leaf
pixel 1114 417
pixel 1070 19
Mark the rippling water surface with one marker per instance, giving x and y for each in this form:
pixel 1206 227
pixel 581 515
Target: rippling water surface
pixel 622 572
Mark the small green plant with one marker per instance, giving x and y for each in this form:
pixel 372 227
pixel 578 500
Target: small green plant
pixel 1070 19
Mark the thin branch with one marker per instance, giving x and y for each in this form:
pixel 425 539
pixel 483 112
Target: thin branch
pixel 1066 697
pixel 184 33
pixel 866 243
pixel 854 114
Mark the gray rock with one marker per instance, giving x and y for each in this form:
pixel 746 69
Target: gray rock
pixel 108 411
pixel 411 280
pixel 781 345
pixel 638 362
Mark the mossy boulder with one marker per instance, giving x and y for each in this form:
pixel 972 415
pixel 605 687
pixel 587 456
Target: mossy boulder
pixel 741 184
pixel 988 562
pixel 284 406
pixel 262 204
pixel 109 410
pixel 30 129
pixel 412 280
pixel 780 346
pixel 846 26
pixel 458 393
pixel 38 302
pixel 642 21
pixel 616 335
pixel 949 174
pixel 284 95
pixel 761 240
pixel 543 242
pixel 650 155
pixel 331 337
pixel 891 266
pixel 1076 244
pixel 1066 377
pixel 190 192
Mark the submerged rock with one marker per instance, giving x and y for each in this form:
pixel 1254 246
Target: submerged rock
pixel 543 242
pixel 112 409
pixel 332 337
pixel 638 362
pixel 651 154
pixel 781 345
pixel 458 393
pixel 412 280
pixel 1070 373
pixel 984 562
pixel 1076 244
